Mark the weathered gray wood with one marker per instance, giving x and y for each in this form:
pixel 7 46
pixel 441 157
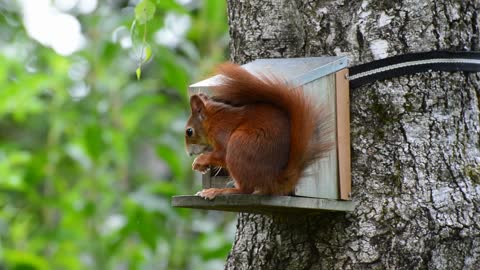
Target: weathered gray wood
pixel 296 71
pixel 321 178
pixel 264 204
pixel 210 180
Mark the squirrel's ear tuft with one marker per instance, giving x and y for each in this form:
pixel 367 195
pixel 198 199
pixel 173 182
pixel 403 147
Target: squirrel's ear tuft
pixel 197 106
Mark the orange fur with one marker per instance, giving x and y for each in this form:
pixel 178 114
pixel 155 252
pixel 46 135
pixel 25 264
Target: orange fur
pixel 262 130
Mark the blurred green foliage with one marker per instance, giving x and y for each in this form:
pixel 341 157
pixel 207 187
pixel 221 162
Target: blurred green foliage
pixel 89 155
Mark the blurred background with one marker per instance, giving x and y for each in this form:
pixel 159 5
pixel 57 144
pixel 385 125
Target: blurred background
pixel 90 155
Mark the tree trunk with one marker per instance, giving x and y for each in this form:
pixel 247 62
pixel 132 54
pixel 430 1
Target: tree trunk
pixel 415 139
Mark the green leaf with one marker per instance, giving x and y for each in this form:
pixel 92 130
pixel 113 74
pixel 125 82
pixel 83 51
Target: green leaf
pixel 133 27
pixel 69 166
pixel 24 260
pixel 147 53
pixel 138 72
pixel 172 158
pixel 165 188
pixel 144 11
pixel 94 142
pixel 170 5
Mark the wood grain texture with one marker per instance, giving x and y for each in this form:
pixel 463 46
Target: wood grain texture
pixel 264 204
pixel 320 179
pixel 343 134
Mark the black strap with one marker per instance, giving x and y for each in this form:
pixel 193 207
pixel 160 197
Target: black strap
pixel 412 63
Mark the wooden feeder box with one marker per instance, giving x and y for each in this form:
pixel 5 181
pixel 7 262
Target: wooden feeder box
pixel 326 185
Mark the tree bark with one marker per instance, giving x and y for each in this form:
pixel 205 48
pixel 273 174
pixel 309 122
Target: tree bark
pixel 415 139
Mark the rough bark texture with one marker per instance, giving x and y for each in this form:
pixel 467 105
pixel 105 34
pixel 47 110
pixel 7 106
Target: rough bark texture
pixel 415 139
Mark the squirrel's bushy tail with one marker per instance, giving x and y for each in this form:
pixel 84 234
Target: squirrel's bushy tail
pixel 310 127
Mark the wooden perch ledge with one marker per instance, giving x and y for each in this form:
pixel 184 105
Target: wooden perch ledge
pixel 264 204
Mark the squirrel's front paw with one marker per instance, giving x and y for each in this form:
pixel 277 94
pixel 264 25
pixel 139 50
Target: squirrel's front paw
pixel 209 194
pixel 199 166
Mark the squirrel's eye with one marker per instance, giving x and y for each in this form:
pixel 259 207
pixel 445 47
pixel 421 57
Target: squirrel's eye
pixel 189 132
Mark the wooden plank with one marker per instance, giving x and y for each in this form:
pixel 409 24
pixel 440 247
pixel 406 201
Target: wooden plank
pixel 264 204
pixel 206 180
pixel 343 135
pixel 320 180
pixel 215 179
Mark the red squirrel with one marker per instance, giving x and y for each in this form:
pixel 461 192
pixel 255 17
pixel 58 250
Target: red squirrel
pixel 262 130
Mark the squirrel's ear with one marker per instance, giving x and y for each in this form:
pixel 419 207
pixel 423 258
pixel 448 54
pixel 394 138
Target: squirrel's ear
pixel 197 106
